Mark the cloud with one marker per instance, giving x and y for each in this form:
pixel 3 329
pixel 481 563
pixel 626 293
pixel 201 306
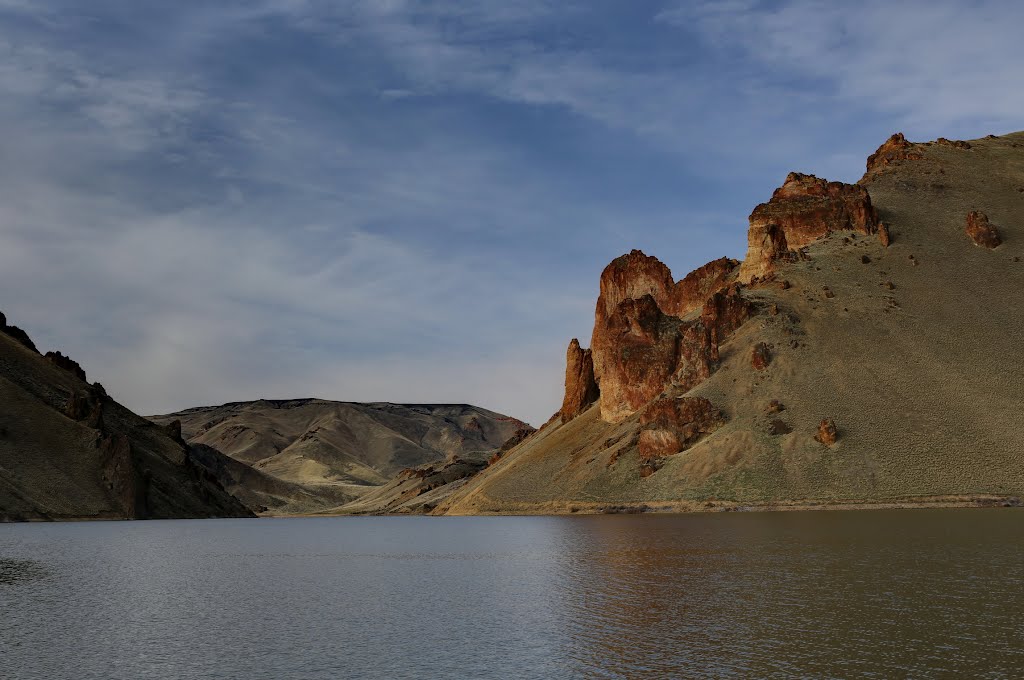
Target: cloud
pixel 413 200
pixel 929 65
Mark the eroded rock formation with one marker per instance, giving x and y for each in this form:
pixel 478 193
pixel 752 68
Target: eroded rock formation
pixel 697 286
pixel 804 209
pixel 671 425
pixel 174 430
pixel 724 312
pixel 981 231
pixel 580 386
pixel 646 335
pixel 636 351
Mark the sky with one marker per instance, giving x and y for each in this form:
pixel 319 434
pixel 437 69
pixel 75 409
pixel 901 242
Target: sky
pixel 411 200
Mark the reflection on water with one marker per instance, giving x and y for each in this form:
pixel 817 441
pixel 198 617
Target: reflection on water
pixel 912 593
pixel 15 571
pixel 823 594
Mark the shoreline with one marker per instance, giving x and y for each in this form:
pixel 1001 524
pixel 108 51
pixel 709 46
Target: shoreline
pixel 560 509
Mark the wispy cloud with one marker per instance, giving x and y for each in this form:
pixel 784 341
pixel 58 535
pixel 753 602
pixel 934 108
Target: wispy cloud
pixel 412 200
pixel 930 65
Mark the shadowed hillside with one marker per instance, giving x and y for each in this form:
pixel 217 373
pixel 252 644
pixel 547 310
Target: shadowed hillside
pixel 69 451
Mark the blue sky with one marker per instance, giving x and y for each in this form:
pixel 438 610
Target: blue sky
pixel 412 201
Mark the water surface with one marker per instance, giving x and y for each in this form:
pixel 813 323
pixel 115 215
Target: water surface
pixel 872 594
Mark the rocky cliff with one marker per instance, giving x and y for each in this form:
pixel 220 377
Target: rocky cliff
pixel 866 350
pixel 69 451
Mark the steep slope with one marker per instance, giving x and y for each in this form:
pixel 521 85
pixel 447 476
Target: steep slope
pixel 69 451
pixel 869 350
pixel 321 454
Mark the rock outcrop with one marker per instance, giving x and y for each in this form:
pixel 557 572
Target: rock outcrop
pixel 646 336
pixel 126 483
pixel 16 333
pixel 804 209
pixel 955 143
pixel 670 425
pixel 580 386
pixel 515 440
pixel 893 150
pixel 696 287
pixel 174 430
pixel 981 231
pixel 854 408
pixel 724 312
pixel 67 363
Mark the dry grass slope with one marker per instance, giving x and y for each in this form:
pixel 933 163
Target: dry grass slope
pixel 917 354
pixel 304 456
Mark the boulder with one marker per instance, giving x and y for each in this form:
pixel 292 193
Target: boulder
pixel 981 231
pixel 884 237
pixel 827 432
pixel 761 357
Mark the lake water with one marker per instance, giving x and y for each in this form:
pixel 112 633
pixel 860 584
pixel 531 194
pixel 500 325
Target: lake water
pixel 920 593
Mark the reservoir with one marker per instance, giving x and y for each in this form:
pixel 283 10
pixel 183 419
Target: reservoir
pixel 884 593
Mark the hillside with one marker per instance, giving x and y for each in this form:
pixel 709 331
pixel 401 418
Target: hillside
pixel 69 451
pixel 312 455
pixel 868 350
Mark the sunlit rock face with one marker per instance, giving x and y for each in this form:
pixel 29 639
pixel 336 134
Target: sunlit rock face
pixel 804 209
pixel 648 334
pixel 580 386
pixel 891 152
